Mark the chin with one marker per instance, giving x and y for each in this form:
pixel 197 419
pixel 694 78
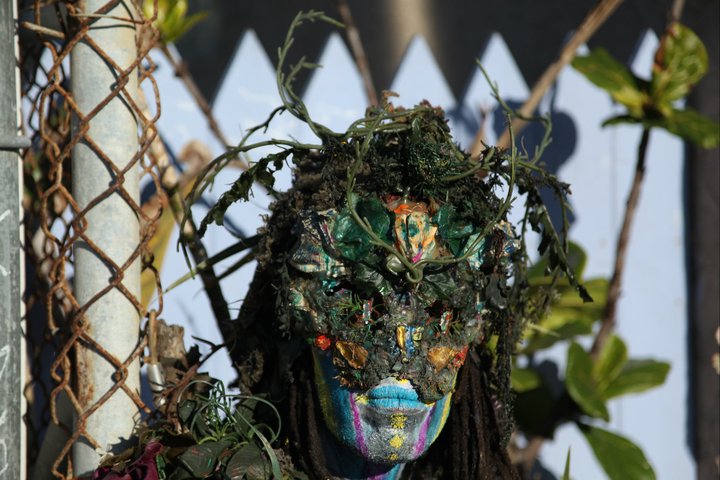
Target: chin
pixel 387 424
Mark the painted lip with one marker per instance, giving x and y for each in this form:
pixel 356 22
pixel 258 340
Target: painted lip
pixel 395 398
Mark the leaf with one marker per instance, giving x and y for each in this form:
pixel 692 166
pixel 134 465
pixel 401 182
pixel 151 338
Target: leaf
pixel 680 62
pixel 244 415
pixel 620 120
pixel 607 73
pixel 201 459
pixel 438 285
pixel 620 458
pixel 374 211
pixel 577 259
pixel 158 246
pixel 248 460
pixel 261 172
pixel 172 20
pixel 610 362
pixel 351 239
pixel 693 127
pixel 637 376
pixel 454 232
pixel 532 410
pixel 581 385
pixel 566 473
pixel 524 379
pixel 570 326
pixel 354 354
pixel 569 315
pixel 369 280
pixel 687 124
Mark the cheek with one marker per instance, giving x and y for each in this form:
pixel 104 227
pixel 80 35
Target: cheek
pixel 337 404
pixel 437 419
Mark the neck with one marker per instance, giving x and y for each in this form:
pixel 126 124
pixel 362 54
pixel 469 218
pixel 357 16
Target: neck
pixel 345 464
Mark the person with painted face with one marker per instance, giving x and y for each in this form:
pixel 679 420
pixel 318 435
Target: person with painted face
pixel 377 318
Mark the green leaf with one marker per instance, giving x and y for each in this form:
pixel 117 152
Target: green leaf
pixel 680 62
pixel 352 241
pixel 637 376
pixel 454 232
pixel 569 315
pixel 693 127
pixel 580 383
pixel 610 362
pixel 201 459
pixel 561 324
pixel 368 280
pixel 172 20
pixel 524 379
pixel 620 120
pixel 607 73
pixel 533 408
pixel 191 417
pixel 261 171
pixel 248 460
pixel 244 415
pixel 577 259
pixel 566 473
pixel 620 458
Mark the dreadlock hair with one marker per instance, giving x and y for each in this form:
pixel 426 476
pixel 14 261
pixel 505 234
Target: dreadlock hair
pixel 470 447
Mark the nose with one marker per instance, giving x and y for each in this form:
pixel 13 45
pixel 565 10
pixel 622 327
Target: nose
pixel 406 337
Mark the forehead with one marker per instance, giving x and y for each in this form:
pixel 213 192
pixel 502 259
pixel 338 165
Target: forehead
pixel 327 239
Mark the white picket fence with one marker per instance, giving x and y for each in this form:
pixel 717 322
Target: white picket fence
pixel 652 311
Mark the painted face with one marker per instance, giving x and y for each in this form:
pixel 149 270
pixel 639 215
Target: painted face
pixel 387 350
pixel 387 424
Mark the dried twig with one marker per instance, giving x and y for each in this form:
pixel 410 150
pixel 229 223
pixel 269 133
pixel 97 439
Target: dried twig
pixel 172 184
pixel 608 322
pixel 615 288
pixel 594 19
pixel 356 46
pixel 43 30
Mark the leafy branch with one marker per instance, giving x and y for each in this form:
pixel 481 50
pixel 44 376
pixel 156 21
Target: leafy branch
pixel 680 62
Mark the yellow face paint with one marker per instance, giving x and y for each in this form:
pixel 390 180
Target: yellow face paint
pixel 400 335
pixel 398 420
pixel 397 441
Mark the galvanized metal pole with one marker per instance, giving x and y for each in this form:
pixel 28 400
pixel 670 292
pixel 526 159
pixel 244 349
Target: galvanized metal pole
pixel 11 272
pixel 111 225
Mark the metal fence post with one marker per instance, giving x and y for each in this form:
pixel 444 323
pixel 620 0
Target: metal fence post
pixel 106 279
pixel 12 445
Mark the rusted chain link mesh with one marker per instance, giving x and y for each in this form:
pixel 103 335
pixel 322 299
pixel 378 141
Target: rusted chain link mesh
pixel 55 223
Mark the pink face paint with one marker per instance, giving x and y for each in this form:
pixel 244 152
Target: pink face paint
pixel 359 437
pixel 422 436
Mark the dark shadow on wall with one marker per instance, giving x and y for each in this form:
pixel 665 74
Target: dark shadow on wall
pixel 564 141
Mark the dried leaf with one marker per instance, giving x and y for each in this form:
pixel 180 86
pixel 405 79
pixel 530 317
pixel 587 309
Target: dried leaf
pixel 439 357
pixel 354 354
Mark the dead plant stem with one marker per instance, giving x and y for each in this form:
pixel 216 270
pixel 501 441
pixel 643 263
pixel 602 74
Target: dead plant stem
pixel 609 317
pixel 358 51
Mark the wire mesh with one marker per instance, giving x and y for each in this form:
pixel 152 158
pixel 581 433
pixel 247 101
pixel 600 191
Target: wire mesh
pixel 55 323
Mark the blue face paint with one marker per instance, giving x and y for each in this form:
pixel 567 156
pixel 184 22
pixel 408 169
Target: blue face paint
pixel 387 424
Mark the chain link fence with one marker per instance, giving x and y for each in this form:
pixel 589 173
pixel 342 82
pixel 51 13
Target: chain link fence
pixel 67 322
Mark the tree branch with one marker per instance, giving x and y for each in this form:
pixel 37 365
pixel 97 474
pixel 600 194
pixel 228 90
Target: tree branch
pixel 609 320
pixel 594 19
pixel 353 37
